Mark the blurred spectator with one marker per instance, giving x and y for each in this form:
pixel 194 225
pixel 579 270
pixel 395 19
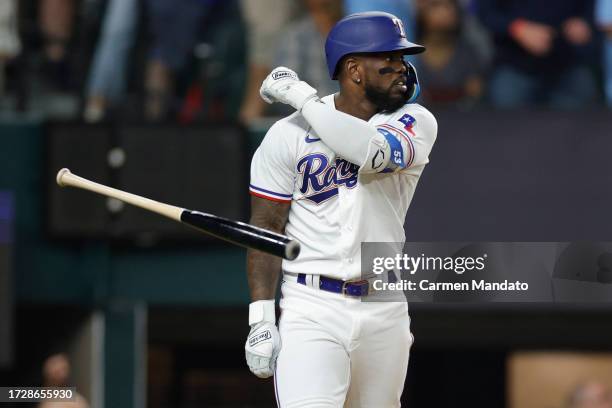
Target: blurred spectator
pixel 593 394
pixel 302 45
pixel 265 19
pixel 56 19
pixel 603 17
pixel 56 373
pixel 107 77
pixel 10 46
pixel 541 52
pixel 175 26
pixel 452 71
pixel 403 9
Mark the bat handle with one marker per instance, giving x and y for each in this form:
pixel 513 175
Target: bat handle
pixel 60 175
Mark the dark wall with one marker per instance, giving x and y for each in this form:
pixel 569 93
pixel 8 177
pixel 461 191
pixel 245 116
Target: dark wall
pixel 516 176
pixel 6 278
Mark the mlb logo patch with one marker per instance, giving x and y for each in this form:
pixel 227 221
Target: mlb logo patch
pixel 408 122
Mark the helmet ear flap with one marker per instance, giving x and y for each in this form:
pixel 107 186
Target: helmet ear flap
pixel 414 89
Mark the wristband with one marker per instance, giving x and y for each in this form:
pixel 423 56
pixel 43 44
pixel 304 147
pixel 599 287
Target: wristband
pixel 300 93
pixel 262 311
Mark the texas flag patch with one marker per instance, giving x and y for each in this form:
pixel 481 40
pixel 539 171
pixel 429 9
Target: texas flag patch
pixel 408 122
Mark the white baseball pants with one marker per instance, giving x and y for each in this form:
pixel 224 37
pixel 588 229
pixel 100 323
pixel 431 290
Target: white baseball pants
pixel 340 351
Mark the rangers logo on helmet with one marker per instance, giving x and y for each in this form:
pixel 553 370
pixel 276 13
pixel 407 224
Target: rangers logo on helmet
pixel 400 27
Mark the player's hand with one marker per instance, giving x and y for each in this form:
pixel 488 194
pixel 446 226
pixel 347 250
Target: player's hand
pixel 283 85
pixel 261 349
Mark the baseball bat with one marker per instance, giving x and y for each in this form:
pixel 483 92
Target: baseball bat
pixel 236 232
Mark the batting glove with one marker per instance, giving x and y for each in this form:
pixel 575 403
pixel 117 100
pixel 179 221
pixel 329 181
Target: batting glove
pixel 264 343
pixel 283 85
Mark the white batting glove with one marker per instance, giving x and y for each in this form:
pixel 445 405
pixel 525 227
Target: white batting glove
pixel 264 342
pixel 283 85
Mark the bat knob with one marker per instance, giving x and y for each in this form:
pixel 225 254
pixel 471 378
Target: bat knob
pixel 292 250
pixel 59 176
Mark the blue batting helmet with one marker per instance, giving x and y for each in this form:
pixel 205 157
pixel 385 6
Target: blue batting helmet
pixel 373 31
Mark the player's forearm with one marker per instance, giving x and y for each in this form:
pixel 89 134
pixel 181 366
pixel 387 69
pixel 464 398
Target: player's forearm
pixel 346 135
pixel 263 271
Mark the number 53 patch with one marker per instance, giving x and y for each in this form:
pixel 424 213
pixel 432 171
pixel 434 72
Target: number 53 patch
pixel 397 153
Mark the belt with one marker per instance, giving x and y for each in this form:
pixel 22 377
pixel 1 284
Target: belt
pixel 350 288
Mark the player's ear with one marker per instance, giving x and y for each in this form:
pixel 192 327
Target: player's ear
pixel 353 68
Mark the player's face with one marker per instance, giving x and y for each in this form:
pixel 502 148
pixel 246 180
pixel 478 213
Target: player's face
pixel 385 80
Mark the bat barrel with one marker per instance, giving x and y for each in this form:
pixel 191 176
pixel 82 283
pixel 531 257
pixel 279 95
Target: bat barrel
pixel 292 250
pixel 243 234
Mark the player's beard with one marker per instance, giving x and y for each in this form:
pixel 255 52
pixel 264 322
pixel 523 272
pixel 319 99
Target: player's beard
pixel 384 100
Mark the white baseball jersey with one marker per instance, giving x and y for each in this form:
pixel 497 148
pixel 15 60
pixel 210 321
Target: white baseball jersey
pixel 334 207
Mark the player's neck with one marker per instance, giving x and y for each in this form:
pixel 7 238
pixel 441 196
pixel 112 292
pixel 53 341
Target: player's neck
pixel 350 104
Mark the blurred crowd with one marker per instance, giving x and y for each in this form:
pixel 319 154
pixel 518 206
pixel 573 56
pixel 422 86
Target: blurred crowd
pixel 199 60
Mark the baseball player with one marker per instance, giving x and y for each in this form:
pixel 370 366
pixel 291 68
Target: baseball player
pixel 338 172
